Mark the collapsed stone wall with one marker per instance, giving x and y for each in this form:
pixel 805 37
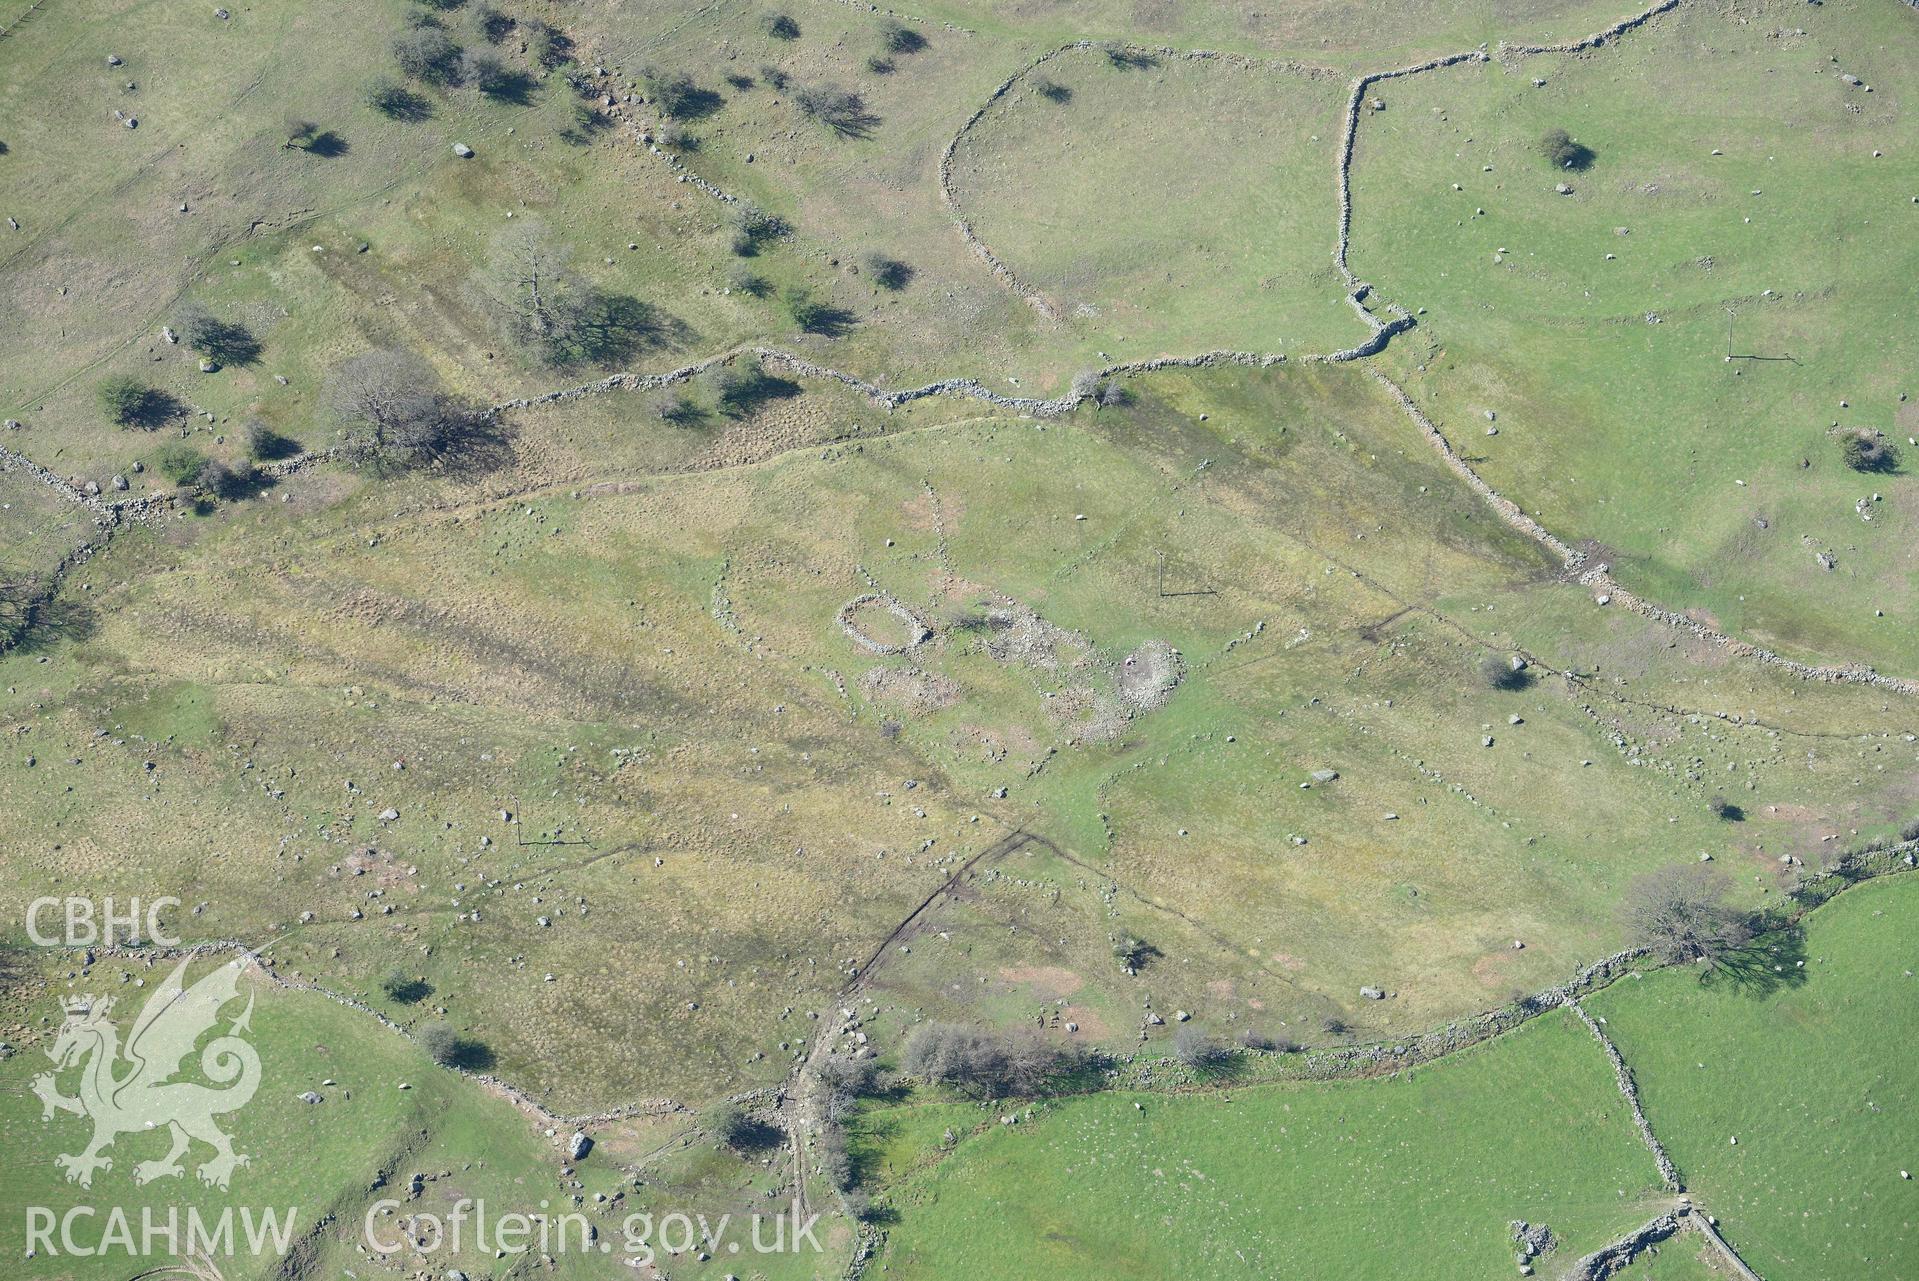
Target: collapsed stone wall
pixel 1606 588
pixel 1601 36
pixel 1610 1259
pixel 1366 1060
pixel 1630 1089
pixel 981 250
pixel 105 512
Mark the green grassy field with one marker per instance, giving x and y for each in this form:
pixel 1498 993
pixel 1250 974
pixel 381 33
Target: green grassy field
pixel 599 667
pixel 1312 1177
pixel 579 726
pixel 390 1127
pixel 1181 205
pixel 1306 1180
pixel 384 1108
pixel 1596 324
pixel 1803 1064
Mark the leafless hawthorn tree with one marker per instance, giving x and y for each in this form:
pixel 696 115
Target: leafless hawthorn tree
pixel 1681 914
pixel 397 409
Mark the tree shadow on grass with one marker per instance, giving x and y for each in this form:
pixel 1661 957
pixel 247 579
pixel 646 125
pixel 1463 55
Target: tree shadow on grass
pixel 515 88
pixel 841 110
pixel 759 1136
pixel 1767 965
pixel 226 342
pixel 477 445
pixel 854 121
pixel 741 392
pixel 587 122
pixel 698 105
pixel 152 409
pixel 409 991
pixel 610 328
pixel 396 102
pixel 52 622
pixel 471 1056
pixel 328 145
pixel 825 320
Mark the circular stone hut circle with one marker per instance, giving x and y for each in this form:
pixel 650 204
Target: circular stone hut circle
pixel 916 629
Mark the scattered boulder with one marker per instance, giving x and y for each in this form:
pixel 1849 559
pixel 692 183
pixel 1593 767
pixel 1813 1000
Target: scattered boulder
pixel 461 150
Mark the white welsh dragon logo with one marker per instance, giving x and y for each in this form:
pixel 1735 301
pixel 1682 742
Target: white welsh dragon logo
pixel 145 1098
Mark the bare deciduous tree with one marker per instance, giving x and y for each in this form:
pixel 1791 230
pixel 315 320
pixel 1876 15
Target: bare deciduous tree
pixel 1682 915
pixel 1196 1048
pixel 841 110
pixel 428 55
pixel 530 286
pixel 984 1062
pixel 397 408
pixel 530 282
